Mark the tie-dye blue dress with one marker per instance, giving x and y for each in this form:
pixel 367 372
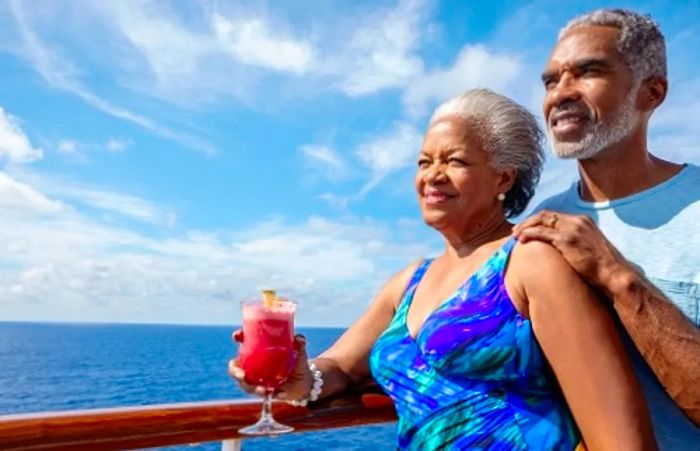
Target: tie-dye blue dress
pixel 474 377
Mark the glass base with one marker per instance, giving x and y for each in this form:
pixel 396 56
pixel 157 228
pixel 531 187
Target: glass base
pixel 266 426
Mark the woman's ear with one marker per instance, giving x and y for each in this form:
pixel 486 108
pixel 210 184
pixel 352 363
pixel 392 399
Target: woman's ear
pixel 506 180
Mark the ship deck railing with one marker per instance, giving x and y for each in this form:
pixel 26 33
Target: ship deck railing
pixel 139 427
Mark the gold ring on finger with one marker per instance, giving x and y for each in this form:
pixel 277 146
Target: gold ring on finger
pixel 552 222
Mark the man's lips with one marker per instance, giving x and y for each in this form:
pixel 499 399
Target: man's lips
pixel 565 123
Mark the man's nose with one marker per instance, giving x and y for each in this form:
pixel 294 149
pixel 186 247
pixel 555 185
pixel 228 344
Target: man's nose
pixel 566 90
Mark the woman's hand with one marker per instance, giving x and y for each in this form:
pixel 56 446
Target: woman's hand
pixel 298 385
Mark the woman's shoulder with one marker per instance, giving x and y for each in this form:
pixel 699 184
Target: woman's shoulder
pixel 394 288
pixel 533 265
pixel 536 262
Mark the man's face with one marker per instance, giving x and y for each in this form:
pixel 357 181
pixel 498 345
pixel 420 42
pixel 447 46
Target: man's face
pixel 590 98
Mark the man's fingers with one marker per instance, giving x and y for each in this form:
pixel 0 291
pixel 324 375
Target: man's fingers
pixel 546 218
pixel 535 220
pixel 539 233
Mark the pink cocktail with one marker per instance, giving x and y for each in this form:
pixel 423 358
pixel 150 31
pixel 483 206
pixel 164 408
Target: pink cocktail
pixel 267 355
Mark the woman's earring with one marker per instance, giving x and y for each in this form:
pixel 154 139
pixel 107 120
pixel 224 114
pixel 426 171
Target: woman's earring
pixel 501 197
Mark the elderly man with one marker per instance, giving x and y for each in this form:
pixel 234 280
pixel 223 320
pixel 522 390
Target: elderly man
pixel 604 79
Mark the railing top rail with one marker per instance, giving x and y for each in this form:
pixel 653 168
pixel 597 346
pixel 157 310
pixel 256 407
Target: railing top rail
pixel 169 424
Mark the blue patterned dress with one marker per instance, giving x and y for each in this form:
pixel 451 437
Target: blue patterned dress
pixel 474 377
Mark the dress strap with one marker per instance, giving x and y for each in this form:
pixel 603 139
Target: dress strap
pixel 411 287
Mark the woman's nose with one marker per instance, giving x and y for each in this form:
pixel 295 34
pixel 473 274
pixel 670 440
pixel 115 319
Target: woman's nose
pixel 435 173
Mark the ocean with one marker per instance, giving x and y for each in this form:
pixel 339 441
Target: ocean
pixel 47 366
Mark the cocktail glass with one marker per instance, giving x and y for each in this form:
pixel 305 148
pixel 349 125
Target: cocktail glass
pixel 267 355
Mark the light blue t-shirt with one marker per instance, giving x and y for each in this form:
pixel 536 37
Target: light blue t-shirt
pixel 659 231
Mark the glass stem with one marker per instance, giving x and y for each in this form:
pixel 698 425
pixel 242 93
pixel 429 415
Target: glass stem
pixel 266 414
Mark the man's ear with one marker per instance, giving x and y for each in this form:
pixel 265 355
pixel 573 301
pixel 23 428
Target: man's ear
pixel 652 93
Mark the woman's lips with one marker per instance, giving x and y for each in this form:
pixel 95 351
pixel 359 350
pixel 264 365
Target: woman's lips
pixel 437 197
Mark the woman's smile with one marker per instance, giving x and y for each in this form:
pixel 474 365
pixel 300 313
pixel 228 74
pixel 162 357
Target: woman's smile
pixel 436 197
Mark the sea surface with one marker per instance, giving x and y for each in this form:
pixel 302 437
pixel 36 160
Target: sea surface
pixel 46 366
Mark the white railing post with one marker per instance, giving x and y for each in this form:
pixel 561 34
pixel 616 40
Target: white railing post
pixel 231 445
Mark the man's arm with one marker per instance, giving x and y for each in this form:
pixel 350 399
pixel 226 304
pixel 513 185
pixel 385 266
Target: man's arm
pixel 668 341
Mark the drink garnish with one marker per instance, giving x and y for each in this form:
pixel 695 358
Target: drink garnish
pixel 269 298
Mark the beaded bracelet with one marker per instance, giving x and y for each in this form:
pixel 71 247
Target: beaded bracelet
pixel 316 387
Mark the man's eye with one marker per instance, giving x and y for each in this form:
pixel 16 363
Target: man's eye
pixel 423 163
pixel 550 83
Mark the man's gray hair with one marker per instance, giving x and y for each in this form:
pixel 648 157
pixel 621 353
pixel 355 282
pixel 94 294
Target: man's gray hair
pixel 641 43
pixel 509 133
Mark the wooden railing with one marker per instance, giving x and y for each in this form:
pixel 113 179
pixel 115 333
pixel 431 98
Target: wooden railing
pixel 172 424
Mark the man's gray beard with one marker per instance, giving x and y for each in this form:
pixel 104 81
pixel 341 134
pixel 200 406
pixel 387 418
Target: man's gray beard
pixel 599 135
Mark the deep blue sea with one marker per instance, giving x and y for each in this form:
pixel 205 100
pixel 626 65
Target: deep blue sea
pixel 80 366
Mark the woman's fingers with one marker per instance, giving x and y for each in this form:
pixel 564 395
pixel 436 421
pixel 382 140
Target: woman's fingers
pixel 237 373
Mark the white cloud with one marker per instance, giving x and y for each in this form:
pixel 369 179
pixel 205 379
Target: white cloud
pixel 68 266
pixel 325 160
pixel 67 146
pixel 391 152
pixel 252 42
pixel 116 145
pixel 58 70
pixel 82 195
pixel 381 53
pixel 15 146
pixel 19 198
pixel 474 67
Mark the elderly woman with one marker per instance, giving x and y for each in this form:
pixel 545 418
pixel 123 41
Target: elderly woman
pixel 477 345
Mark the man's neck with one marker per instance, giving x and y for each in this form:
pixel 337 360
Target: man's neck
pixel 622 170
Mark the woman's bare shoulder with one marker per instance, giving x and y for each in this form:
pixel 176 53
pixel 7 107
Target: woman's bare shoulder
pixel 533 266
pixel 537 264
pixel 394 288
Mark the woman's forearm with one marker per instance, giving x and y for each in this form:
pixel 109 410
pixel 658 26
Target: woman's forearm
pixel 335 380
pixel 667 340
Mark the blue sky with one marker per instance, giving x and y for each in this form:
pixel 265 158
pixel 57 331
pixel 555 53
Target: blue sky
pixel 160 161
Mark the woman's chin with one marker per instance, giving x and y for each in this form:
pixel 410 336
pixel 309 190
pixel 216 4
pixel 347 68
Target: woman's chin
pixel 437 219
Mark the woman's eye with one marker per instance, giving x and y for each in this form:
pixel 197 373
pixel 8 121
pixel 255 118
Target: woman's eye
pixel 456 162
pixel 422 164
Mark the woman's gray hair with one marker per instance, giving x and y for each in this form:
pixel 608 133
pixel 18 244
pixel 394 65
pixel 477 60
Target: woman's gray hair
pixel 641 43
pixel 509 133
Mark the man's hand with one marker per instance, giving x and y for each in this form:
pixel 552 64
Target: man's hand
pixel 581 243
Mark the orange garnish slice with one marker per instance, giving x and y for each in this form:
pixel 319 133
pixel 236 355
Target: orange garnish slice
pixel 269 298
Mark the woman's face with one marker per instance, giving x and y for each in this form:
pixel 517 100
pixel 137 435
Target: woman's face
pixel 456 183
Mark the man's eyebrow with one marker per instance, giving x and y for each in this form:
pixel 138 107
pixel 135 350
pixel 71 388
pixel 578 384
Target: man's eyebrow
pixel 591 61
pixel 582 63
pixel 548 74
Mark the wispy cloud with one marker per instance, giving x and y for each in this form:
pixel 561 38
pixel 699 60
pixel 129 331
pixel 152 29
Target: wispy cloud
pixel 474 67
pixel 116 145
pixel 82 195
pixel 388 153
pixel 325 160
pixel 67 146
pixel 61 73
pixel 382 51
pixel 95 270
pixel 15 146
pixel 20 198
pixel 253 42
